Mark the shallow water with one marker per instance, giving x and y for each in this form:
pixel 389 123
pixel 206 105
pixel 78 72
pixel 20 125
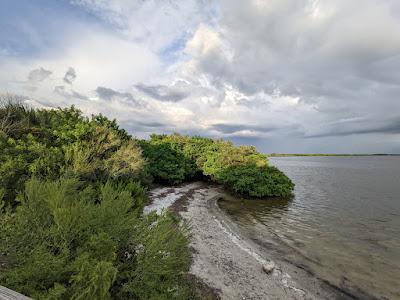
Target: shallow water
pixel 343 223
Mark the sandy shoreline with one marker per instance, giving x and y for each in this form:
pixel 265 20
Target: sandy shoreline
pixel 228 262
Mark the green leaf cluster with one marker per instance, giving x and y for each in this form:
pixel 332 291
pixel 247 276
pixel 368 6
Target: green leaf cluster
pixel 47 143
pixel 176 158
pixel 72 192
pixel 256 181
pixel 69 241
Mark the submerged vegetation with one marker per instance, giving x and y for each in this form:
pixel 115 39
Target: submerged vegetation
pixel 72 193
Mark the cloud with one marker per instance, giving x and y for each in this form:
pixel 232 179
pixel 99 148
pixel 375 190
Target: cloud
pixel 38 75
pixel 318 49
pixel 303 64
pixel 110 94
pixel 362 126
pixel 158 24
pixel 69 93
pixel 152 124
pixel 70 75
pixel 175 92
pixel 233 128
pixel 128 62
pixel 210 52
pixel 274 73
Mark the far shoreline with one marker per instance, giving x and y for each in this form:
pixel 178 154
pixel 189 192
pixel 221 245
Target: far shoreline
pixel 327 154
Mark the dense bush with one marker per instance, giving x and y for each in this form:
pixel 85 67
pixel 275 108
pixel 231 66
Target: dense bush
pixel 223 154
pixel 69 241
pixel 166 165
pixel 176 158
pixel 256 181
pixel 45 143
pixel 172 158
pixel 71 202
pixel 161 261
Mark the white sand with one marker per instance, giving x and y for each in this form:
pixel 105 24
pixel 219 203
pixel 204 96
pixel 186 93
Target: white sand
pixel 227 261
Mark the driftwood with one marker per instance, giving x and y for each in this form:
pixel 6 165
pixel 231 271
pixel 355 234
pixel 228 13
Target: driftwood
pixel 7 294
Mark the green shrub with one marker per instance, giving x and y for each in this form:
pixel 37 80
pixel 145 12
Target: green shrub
pixel 15 117
pixel 256 181
pixel 21 158
pixel 223 154
pixel 126 162
pixel 33 141
pixel 1 198
pixel 172 158
pixel 175 158
pixel 68 242
pixel 111 124
pixel 166 165
pixel 162 261
pixel 93 279
pixel 49 143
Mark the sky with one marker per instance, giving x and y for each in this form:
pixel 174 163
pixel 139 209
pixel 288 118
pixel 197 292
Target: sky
pixel 288 76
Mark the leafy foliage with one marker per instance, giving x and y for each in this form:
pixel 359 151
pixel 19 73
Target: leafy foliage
pixel 60 239
pixel 48 143
pixel 176 158
pixel 126 162
pixel 166 164
pixel 71 202
pixel 256 181
pixel 161 261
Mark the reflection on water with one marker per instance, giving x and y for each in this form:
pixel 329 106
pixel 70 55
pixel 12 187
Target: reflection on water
pixel 343 223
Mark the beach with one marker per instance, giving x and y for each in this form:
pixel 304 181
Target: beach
pixel 228 263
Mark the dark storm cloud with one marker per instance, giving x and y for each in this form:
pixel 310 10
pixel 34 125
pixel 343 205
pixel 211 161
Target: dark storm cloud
pixel 174 93
pixel 70 75
pixel 39 75
pixel 391 126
